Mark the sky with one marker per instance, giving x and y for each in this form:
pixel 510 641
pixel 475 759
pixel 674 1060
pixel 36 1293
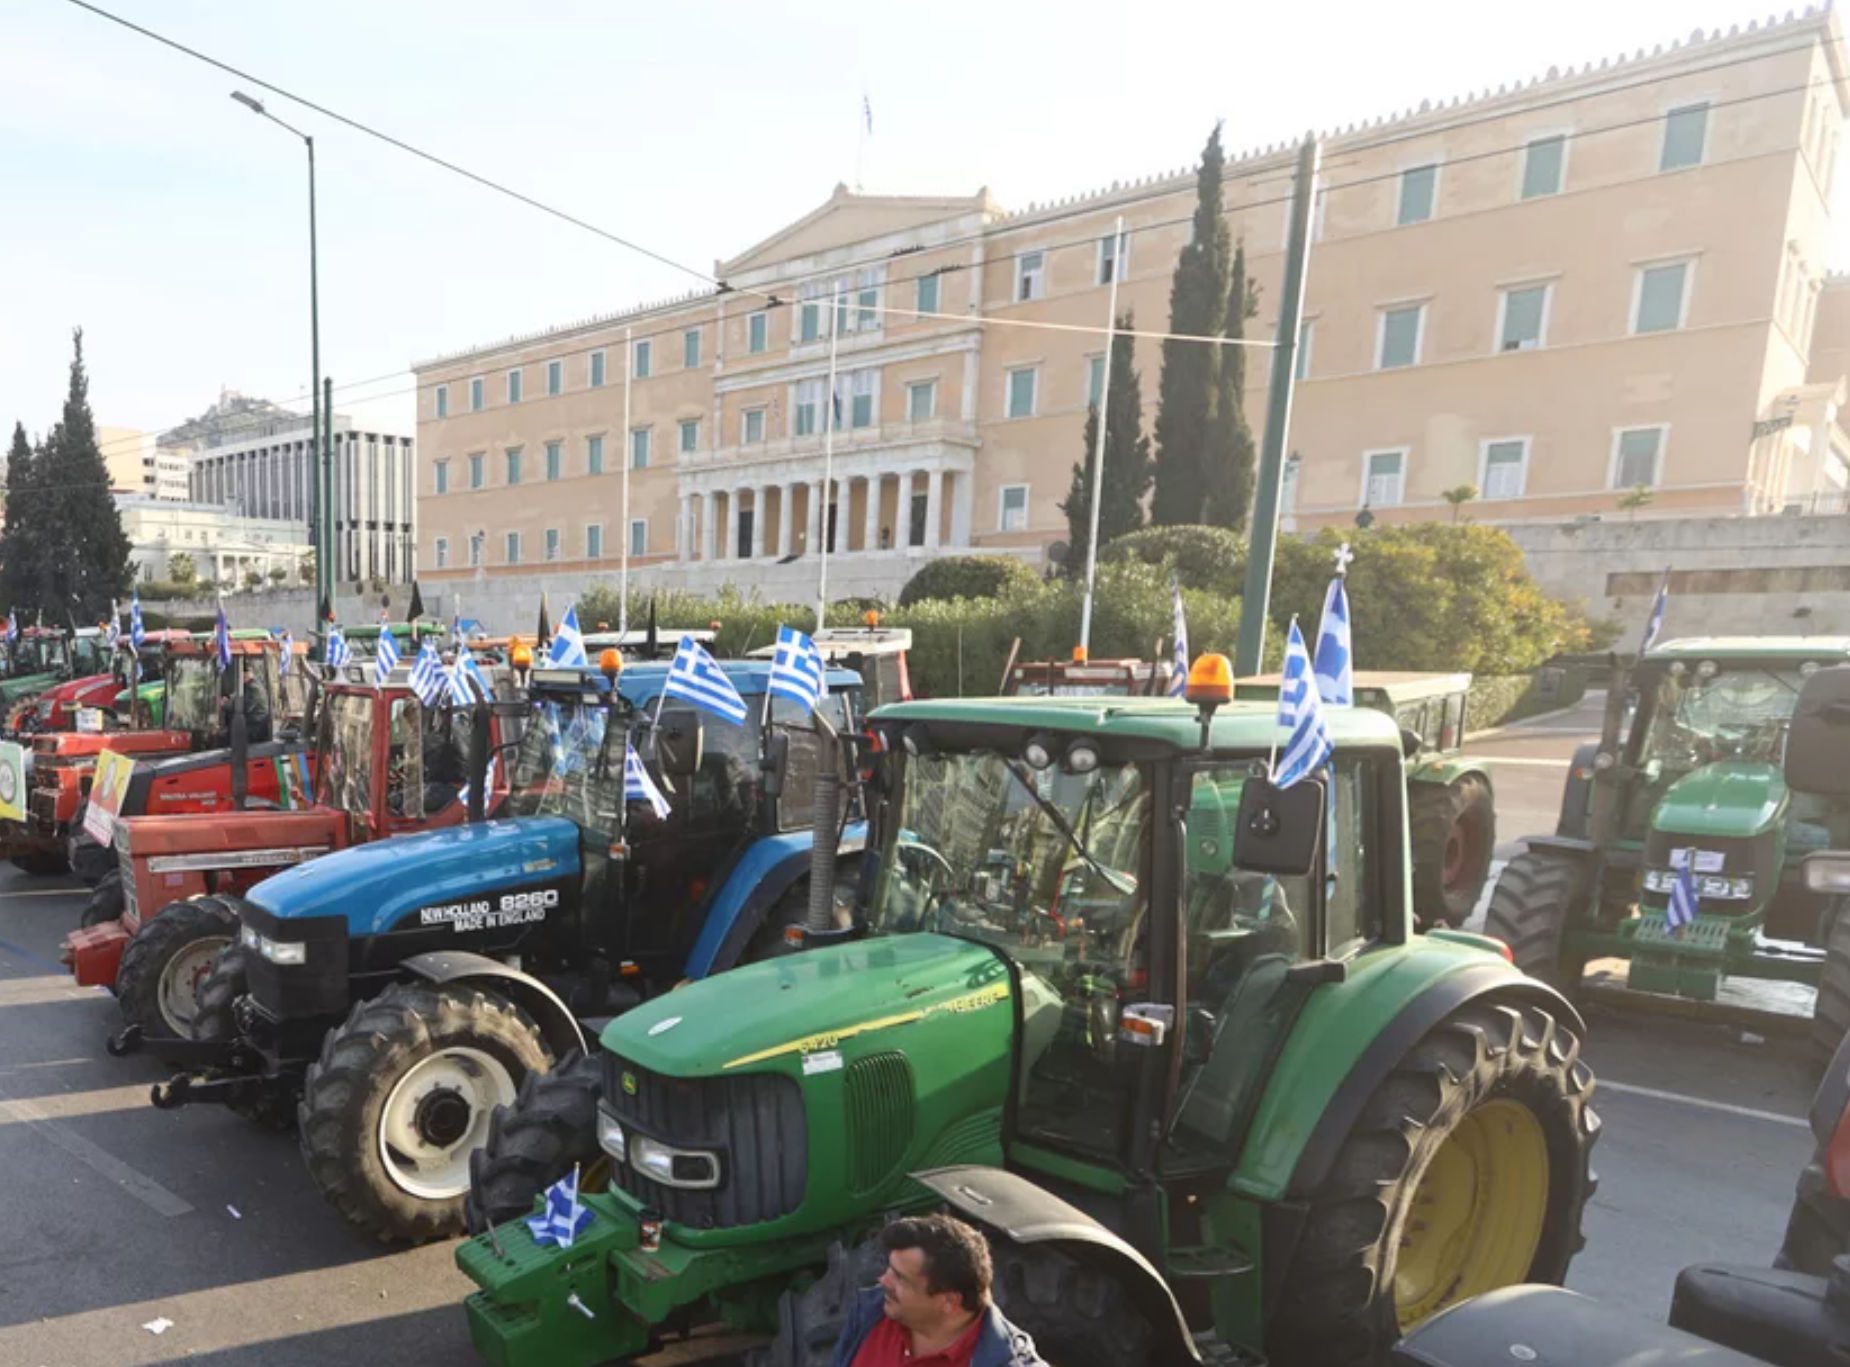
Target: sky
pixel 139 202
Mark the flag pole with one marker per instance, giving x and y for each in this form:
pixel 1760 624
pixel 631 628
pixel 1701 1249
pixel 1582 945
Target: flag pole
pixel 1271 762
pixel 623 552
pixel 1098 445
pixel 828 465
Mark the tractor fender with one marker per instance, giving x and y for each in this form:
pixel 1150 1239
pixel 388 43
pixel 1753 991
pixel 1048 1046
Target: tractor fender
pixel 1027 1214
pixel 1445 770
pixel 1577 796
pixel 756 880
pixel 553 1016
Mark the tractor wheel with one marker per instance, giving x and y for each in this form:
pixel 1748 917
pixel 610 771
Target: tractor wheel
pixel 41 864
pixel 1454 831
pixel 163 966
pixel 1466 1170
pixel 402 1095
pixel 216 1020
pixel 1830 1012
pixel 1529 911
pixel 549 1130
pixel 106 901
pixel 810 1322
pixel 89 861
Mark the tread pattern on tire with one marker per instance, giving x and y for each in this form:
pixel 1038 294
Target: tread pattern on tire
pixel 106 901
pixel 551 1127
pixel 1830 1013
pixel 219 991
pixel 145 957
pixel 1433 810
pixel 1528 911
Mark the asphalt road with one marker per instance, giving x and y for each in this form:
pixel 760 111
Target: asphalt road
pixel 118 1217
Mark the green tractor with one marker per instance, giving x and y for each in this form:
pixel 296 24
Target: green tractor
pixel 1164 1032
pixel 1687 771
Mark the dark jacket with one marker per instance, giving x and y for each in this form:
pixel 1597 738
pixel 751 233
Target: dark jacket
pixel 1000 1344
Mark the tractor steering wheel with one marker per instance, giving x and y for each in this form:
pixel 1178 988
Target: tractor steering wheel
pixel 923 863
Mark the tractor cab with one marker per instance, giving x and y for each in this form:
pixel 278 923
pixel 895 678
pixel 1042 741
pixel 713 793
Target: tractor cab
pixel 649 643
pixel 876 653
pixel 40 658
pixel 1084 678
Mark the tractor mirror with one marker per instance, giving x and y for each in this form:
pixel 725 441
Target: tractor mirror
pixel 776 761
pixel 678 741
pixel 1278 830
pixel 1818 748
pixel 1410 742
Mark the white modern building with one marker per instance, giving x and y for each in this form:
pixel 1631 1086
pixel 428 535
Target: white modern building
pixel 224 546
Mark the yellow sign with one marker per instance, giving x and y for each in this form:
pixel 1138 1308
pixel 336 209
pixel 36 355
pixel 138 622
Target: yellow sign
pixel 12 781
pixel 110 787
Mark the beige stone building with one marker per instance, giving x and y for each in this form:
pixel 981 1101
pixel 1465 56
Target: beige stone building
pixel 1604 278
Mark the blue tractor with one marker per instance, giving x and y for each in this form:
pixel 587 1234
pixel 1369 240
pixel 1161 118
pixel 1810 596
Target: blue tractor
pixel 386 998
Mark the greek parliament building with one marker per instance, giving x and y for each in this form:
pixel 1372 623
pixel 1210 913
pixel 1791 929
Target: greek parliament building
pixel 261 470
pixel 1608 277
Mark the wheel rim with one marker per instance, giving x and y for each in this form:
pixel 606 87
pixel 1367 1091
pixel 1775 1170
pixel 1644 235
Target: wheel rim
pixel 180 980
pixel 1453 866
pixel 1477 1214
pixel 437 1115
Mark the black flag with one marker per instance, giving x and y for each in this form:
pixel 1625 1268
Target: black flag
pixel 544 630
pixel 653 642
pixel 416 610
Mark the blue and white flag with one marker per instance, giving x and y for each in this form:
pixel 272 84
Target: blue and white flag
pixel 385 656
pixel 1685 906
pixel 564 1219
pixel 135 633
pixel 462 796
pixel 568 643
pixel 1335 662
pixel 1307 746
pixel 638 786
pixel 338 653
pixel 286 644
pixel 467 681
pixel 1178 664
pixel 114 632
pixel 221 641
pixel 696 676
pixel 429 680
pixel 1655 623
pixel 796 669
pixel 12 623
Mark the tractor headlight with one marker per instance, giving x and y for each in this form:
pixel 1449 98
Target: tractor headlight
pixel 688 1169
pixel 281 952
pixel 249 938
pixel 610 1136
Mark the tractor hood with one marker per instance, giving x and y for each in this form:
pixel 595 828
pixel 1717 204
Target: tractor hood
pixel 373 887
pixel 25 686
pixel 1733 798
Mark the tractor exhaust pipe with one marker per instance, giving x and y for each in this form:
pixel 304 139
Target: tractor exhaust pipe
pixel 825 834
pixel 479 760
pixel 240 755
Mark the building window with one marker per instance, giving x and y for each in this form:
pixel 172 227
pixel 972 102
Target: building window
pixel 644 353
pixel 594 455
pixel 861 397
pixel 639 536
pixel 1635 452
pixel 1382 474
pixel 513 548
pixel 513 465
pixel 552 543
pixel 443 476
pixel 594 541
pixel 867 303
pixel 1417 188
pixel 921 400
pixel 1095 379
pixel 1030 276
pixel 1012 508
pixel 442 548
pixel 513 386
pixel 477 475
pixel 1522 318
pixel 555 459
pixel 807 406
pixel 1021 392
pixel 639 447
pixel 1399 340
pixel 926 299
pixel 475 395
pixel 1504 465
pixel 751 427
pixel 809 320
pixel 443 401
pixel 477 548
pixel 1542 163
pixel 1660 297
pixel 555 377
pixel 690 349
pixel 1685 131
pixel 757 333
pixel 596 374
pixel 1114 257
pixel 690 434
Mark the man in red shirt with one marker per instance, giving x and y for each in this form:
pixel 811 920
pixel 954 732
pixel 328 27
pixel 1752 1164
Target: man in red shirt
pixel 932 1307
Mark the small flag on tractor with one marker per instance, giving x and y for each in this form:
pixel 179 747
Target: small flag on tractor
pixel 428 677
pixel 1307 744
pixel 1655 623
pixel 796 669
pixel 385 658
pixel 1178 663
pixel 568 643
pixel 416 610
pixel 564 1218
pixel 638 786
pixel 113 633
pixel 696 676
pixel 221 641
pixel 338 653
pixel 1335 661
pixel 286 644
pixel 135 633
pixel 1685 906
pixel 465 673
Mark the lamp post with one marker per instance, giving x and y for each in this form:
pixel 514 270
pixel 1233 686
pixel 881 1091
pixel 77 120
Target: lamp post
pixel 321 492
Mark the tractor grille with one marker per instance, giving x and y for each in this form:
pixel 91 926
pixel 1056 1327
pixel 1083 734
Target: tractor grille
pixel 877 1091
pixel 754 1122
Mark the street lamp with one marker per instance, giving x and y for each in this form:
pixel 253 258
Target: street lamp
pixel 321 501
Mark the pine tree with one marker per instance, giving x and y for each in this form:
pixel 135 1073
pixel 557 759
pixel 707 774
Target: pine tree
pixel 1229 473
pixel 1186 391
pixel 86 564
pixel 20 564
pixel 1126 474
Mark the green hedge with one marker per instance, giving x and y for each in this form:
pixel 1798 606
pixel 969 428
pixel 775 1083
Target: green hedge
pixel 968 576
pixel 1498 700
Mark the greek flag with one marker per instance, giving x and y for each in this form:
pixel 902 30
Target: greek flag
pixel 568 643
pixel 464 671
pixel 338 653
pixel 564 1219
pixel 1178 665
pixel 796 669
pixel 638 786
pixel 286 643
pixel 1684 904
pixel 221 641
pixel 385 657
pixel 1334 670
pixel 114 633
pixel 1307 745
pixel 135 633
pixel 462 795
pixel 428 678
pixel 695 675
pixel 12 626
pixel 1655 623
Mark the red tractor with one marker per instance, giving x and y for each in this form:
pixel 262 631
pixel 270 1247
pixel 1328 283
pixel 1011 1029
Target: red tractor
pixel 386 764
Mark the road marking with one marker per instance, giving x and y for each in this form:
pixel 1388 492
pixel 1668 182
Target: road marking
pixel 137 1184
pixel 1702 1103
pixel 10 948
pixel 48 892
pixel 1521 759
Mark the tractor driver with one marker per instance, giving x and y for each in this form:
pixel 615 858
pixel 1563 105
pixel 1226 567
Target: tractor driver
pixel 253 703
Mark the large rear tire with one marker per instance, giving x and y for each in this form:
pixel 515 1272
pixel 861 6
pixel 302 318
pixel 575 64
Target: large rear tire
pixel 166 963
pixel 401 1097
pixel 549 1130
pixel 1466 1170
pixel 106 901
pixel 1454 833
pixel 1529 911
pixel 1830 1012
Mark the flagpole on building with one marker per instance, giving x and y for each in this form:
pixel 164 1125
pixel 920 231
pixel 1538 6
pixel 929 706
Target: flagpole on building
pixel 1098 445
pixel 623 558
pixel 828 465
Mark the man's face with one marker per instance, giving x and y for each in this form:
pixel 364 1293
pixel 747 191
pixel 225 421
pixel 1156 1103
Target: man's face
pixel 909 1298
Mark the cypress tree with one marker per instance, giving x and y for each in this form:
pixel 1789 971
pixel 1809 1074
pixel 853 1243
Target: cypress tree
pixel 1230 450
pixel 1126 472
pixel 19 560
pixel 86 565
pixel 1187 389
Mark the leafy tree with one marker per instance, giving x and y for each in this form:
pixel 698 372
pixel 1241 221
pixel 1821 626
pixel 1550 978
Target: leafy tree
pixel 305 568
pixel 20 565
pixel 965 576
pixel 278 574
pixel 181 569
pixel 1126 473
pixel 1458 496
pixel 1229 459
pixel 253 579
pixel 84 551
pixel 1188 388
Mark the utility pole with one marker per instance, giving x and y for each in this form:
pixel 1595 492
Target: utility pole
pixel 626 454
pixel 824 528
pixel 324 475
pixel 1098 445
pixel 1256 600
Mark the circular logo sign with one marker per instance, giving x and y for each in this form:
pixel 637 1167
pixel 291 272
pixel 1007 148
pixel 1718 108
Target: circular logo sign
pixel 9 784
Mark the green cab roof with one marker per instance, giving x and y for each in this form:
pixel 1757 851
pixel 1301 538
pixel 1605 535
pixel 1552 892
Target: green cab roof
pixel 1752 648
pixel 1372 686
pixel 1168 721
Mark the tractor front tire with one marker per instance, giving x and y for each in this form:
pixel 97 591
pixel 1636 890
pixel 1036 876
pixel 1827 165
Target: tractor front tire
pixel 1454 833
pixel 549 1130
pixel 1529 911
pixel 42 864
pixel 1830 1012
pixel 274 1107
pixel 1466 1170
pixel 401 1097
pixel 165 964
pixel 106 901
pixel 90 862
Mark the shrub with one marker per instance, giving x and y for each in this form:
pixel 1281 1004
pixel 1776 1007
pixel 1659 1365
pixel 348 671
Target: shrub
pixel 967 576
pixel 1203 557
